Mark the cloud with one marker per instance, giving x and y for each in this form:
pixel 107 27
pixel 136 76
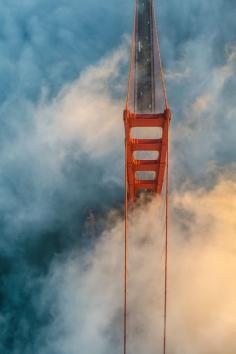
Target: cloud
pixel 82 125
pixel 205 123
pixel 45 45
pixel 201 302
pixel 90 110
pixel 61 166
pixel 177 75
pixel 53 178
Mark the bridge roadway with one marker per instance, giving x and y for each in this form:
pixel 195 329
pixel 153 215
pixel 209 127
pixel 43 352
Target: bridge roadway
pixel 144 78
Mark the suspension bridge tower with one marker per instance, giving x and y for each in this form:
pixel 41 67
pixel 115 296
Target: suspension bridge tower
pixel 146 121
pixel 146 114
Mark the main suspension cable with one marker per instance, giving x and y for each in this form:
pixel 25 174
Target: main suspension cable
pixel 132 55
pixel 166 246
pixel 160 62
pixel 126 253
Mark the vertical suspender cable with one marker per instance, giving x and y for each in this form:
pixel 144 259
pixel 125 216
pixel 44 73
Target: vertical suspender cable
pixel 166 246
pixel 126 253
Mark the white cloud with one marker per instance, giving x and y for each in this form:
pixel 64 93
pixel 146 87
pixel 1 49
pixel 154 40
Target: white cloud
pixel 178 75
pixel 87 111
pixel 202 268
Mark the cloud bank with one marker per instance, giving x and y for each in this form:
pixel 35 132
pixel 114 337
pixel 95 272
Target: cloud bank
pixel 63 170
pixel 61 181
pixel 201 316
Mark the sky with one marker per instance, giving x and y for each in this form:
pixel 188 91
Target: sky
pixel 63 79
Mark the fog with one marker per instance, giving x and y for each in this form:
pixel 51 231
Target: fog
pixel 62 89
